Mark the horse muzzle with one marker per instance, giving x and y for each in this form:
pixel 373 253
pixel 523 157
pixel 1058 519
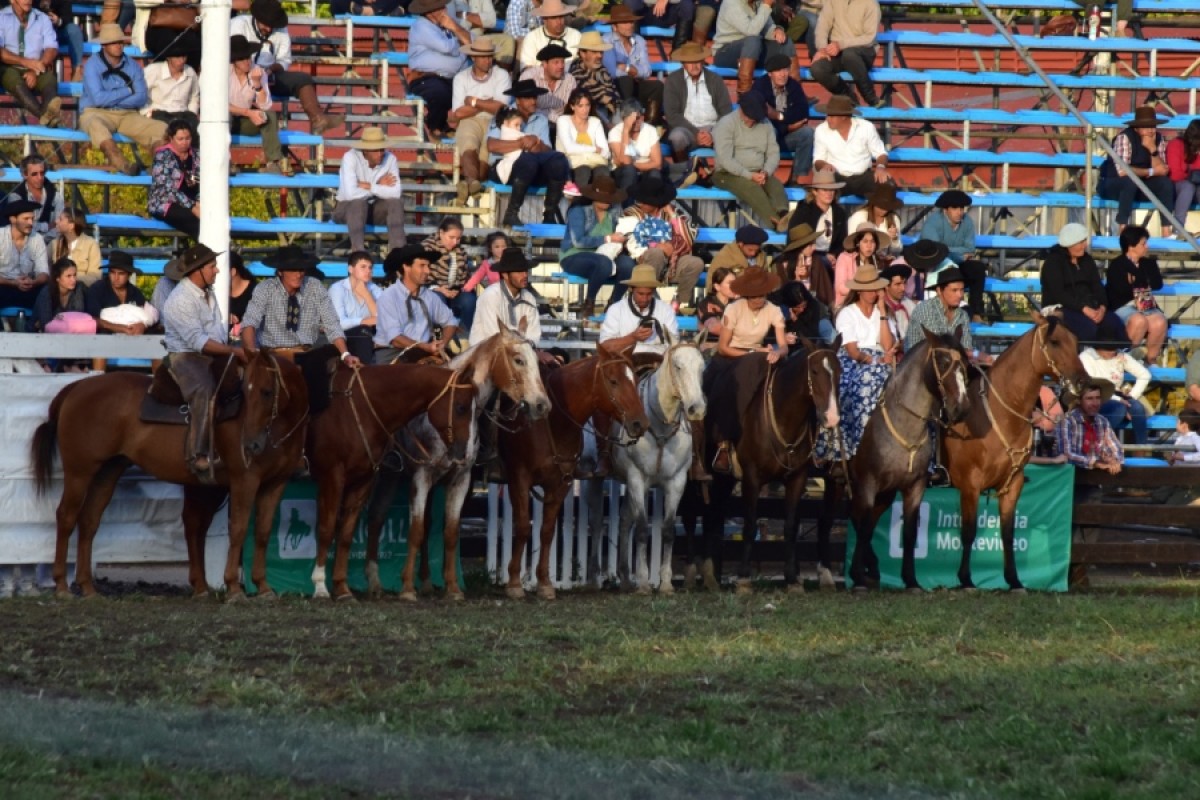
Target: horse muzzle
pixel 696 411
pixel 635 428
pixel 255 446
pixel 537 409
pixel 832 418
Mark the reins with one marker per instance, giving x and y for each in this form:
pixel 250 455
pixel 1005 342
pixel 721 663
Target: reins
pixel 280 387
pixel 914 447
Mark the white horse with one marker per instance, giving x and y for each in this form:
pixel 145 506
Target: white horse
pixel 672 396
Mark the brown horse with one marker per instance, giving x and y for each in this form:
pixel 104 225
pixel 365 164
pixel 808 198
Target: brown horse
pixel 990 448
pixel 505 361
pixel 347 444
pixel 797 399
pixel 544 453
pixel 95 426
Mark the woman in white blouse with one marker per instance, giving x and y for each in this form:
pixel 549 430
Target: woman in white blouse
pixel 354 300
pixel 581 138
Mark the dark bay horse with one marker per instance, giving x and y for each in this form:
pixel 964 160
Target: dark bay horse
pixel 896 446
pixel 348 441
pixel 779 432
pixel 990 447
pixel 506 362
pixel 94 424
pixel 544 452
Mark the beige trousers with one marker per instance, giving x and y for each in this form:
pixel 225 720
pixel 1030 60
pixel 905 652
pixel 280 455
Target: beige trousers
pixel 101 123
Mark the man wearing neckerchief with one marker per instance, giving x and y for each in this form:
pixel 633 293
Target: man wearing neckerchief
pixel 509 303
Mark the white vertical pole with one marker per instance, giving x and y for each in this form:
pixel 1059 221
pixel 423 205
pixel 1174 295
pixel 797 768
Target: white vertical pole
pixel 214 140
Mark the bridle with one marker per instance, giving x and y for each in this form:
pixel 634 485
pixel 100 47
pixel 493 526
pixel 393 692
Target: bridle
pixel 957 362
pixel 280 388
pixel 504 421
pixel 672 382
pixel 777 441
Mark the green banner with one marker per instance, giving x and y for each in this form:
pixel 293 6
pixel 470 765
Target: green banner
pixel 1041 536
pixel 293 546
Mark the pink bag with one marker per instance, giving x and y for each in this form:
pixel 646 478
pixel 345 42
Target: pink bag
pixel 71 322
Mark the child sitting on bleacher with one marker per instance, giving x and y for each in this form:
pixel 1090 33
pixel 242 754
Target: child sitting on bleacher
pixel 509 123
pixel 1187 432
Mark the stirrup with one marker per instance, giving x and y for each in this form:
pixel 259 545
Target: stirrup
pixel 939 476
pixel 723 460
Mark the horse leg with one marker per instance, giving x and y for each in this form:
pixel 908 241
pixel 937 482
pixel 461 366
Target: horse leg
pixel 593 497
pixel 865 509
pixel 687 513
pixel 714 531
pixel 352 504
pixel 635 495
pixel 1008 514
pixel 751 487
pixel 518 493
pixel 418 494
pixel 793 490
pixel 830 499
pixel 550 510
pixel 266 504
pixel 329 503
pixel 104 483
pixel 75 492
pixel 380 504
pixel 200 504
pixel 456 495
pixel 624 543
pixel 241 505
pixel 969 509
pixel 425 581
pixel 912 513
pixel 672 493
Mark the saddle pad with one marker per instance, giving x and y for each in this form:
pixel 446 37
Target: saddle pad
pixel 177 413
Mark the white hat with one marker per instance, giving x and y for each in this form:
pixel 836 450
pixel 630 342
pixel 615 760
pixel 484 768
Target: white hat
pixel 1072 233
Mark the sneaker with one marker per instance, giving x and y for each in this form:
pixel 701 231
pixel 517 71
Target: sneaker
pixel 571 190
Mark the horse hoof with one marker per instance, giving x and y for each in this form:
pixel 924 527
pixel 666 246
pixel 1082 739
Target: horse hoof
pixel 666 588
pixel 456 597
pixel 914 590
pixel 690 575
pixel 744 587
pixel 267 596
pixel 796 588
pixel 515 593
pixel 546 593
pixel 200 595
pixel 859 589
pixel 643 590
pixel 63 594
pixel 825 579
pixel 320 594
pixel 408 597
pixel 968 590
pixel 236 598
pixel 1020 590
pixel 346 598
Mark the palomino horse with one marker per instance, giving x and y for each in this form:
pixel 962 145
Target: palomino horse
pixel 672 396
pixel 797 398
pixel 989 449
pixel 544 453
pixel 896 447
pixel 347 444
pixel 505 361
pixel 95 426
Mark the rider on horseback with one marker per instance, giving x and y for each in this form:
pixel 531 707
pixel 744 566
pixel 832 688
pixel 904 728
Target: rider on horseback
pixel 196 331
pixel 412 322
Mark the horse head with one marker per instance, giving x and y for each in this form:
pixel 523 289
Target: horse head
pixel 683 369
pixel 824 375
pixel 262 384
pixel 452 413
pixel 946 373
pixel 514 369
pixel 614 390
pixel 1055 352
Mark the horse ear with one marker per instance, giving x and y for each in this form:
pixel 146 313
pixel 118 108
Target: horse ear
pixel 837 343
pixel 928 333
pixel 522 325
pixel 958 333
pixel 808 344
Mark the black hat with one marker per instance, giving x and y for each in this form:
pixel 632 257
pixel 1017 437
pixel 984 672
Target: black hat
pixel 525 88
pixel 14 208
pixel 191 259
pixel 777 61
pixel 954 198
pixel 269 13
pixel 653 192
pixel 291 258
pixel 399 256
pixel 750 234
pixel 604 190
pixel 553 51
pixel 896 270
pixel 925 254
pixel 948 276
pixel 753 106
pixel 240 47
pixel 122 261
pixel 512 260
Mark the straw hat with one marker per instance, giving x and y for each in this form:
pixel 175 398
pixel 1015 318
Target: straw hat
pixel 479 47
pixel 882 240
pixel 1106 388
pixel 622 13
pixel 372 139
pixel 593 41
pixel 111 34
pixel 866 279
pixel 825 179
pixel 800 236
pixel 690 52
pixel 549 8
pixel 755 282
pixel 644 277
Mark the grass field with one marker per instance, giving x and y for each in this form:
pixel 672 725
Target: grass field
pixel 598 695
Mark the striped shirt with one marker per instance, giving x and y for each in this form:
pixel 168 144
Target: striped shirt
pixel 554 101
pixel 598 84
pixel 268 311
pixel 192 318
pixel 450 261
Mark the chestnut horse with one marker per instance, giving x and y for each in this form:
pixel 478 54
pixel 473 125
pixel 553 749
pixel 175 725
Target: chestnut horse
pixel 348 441
pixel 95 426
pixel 779 431
pixel 896 446
pixel 505 361
pixel 989 449
pixel 544 452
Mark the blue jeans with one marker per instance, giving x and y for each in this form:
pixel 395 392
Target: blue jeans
pixel 70 39
pixel 800 142
pixel 463 307
pixel 755 47
pixel 624 272
pixel 1115 412
pixel 596 268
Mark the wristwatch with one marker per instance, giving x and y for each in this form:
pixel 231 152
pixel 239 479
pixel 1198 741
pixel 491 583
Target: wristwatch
pixel 346 354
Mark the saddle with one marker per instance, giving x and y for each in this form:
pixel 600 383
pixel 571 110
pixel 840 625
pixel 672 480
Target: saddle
pixel 163 402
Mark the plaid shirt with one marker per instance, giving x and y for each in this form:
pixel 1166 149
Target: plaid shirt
pixel 267 315
pixel 554 101
pixel 439 274
pixel 1070 433
pixel 598 84
pixel 520 19
pixel 931 313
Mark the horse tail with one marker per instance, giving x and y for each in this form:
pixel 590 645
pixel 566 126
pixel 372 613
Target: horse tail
pixel 45 443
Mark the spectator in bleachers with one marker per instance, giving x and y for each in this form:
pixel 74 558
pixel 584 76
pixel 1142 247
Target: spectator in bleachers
pixel 175 181
pixel 355 299
pixel 657 234
pixel 1071 283
pixel 61 293
pixel 241 289
pixel 24 267
pixel 369 190
pixel 551 74
pixel 811 11
pixel 484 275
pixel 845 42
pixel 861 249
pixel 411 323
pixel 477 94
pixel 718 296
pixel 174 90
pixel 746 37
pixel 114 93
pixel 538 165
pixel 27 71
pixel 895 296
pixel 1107 361
pixel 1085 436
pixel 68 34
pixel 679 14
pixel 553 30
pixel 519 20
pixel 162 25
pixel 1183 163
pixel 747 157
pixel 1187 434
pixel 116 289
pixel 73 243
pixel 694 98
pixel 167 283
pixel 581 138
pixel 797 262
pixel 450 270
pixel 435 56
pixel 1144 149
pixel 35 188
pixel 628 62
pixel 250 111
pixel 803 315
pixel 1130 281
pixel 366 8
pixel 880 210
pixel 591 247
pixel 480 19
pixel 635 147
pixel 951 225
pixel 851 147
pixel 787 108
pixel 267 26
pixel 591 75
pixel 821 212
pixel 743 252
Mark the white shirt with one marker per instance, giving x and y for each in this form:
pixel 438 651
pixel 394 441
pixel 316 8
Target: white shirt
pixel 639 148
pixel 30 260
pixel 824 239
pixel 852 155
pixel 857 329
pixel 620 320
pixel 493 87
pixel 276 48
pixel 566 138
pixel 700 110
pixel 171 94
pixel 355 168
pixel 1190 438
pixel 536 39
pixel 1114 369
pixel 495 310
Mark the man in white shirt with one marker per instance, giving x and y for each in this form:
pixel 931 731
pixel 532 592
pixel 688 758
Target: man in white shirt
pixel 24 268
pixel 848 144
pixel 174 90
pixel 554 30
pixel 509 304
pixel 477 94
pixel 267 26
pixel 369 190
pixel 551 74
